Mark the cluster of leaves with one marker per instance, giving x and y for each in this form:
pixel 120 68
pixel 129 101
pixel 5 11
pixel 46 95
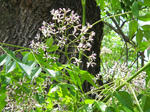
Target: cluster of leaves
pixel 33 84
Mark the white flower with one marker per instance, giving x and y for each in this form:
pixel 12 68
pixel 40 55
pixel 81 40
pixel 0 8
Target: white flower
pixel 106 50
pixel 77 61
pixel 37 36
pixel 93 56
pixel 92 64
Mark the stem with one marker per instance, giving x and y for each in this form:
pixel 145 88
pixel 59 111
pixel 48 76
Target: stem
pixel 16 46
pixel 110 17
pixel 135 98
pixel 129 80
pixel 84 12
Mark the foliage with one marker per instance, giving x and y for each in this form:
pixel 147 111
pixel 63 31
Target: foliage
pixel 38 80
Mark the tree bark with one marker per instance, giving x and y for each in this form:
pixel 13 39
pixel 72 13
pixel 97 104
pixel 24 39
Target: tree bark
pixel 20 20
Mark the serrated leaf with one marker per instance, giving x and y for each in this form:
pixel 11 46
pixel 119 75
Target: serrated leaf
pixel 135 9
pixel 26 68
pixel 146 17
pixel 28 56
pixel 3 59
pixel 133 26
pixel 36 72
pixel 10 54
pixel 51 72
pixel 124 98
pixel 10 67
pixel 139 36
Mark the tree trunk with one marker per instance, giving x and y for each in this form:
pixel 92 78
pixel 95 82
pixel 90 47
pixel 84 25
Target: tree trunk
pixel 20 20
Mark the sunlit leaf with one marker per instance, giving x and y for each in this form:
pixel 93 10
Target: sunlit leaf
pixel 36 72
pixel 146 27
pixel 124 98
pixel 146 17
pixel 101 4
pixel 10 67
pixel 87 76
pixel 101 106
pixel 26 68
pixel 10 54
pixel 3 59
pixel 89 101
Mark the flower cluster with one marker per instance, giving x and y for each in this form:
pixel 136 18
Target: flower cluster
pixel 120 73
pixel 68 33
pixel 106 50
pixel 20 98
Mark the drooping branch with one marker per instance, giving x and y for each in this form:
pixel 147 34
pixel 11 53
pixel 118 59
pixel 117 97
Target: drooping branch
pixel 119 30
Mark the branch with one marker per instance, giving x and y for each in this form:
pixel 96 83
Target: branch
pixel 120 32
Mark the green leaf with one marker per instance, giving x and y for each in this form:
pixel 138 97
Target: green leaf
pixel 147 34
pixel 89 101
pixel 36 73
pixel 115 4
pixel 146 103
pixel 51 72
pixel 133 26
pixel 3 59
pixel 101 4
pixel 2 97
pixel 143 46
pixel 124 98
pixel 139 36
pixel 110 109
pixel 147 2
pixel 146 27
pixel 53 48
pixel 148 75
pixel 135 9
pixel 10 54
pixel 148 52
pixel 49 42
pixel 40 98
pixel 146 17
pixel 26 68
pixel 27 56
pixel 87 76
pixel 10 67
pixel 101 106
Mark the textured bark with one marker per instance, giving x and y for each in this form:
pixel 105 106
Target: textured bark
pixel 20 20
